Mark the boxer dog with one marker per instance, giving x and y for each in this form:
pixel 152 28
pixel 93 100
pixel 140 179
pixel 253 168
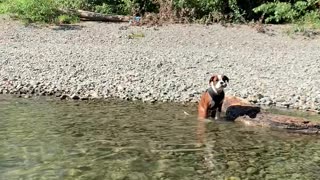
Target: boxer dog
pixel 211 100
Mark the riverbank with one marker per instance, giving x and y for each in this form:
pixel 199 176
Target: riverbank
pixel 168 63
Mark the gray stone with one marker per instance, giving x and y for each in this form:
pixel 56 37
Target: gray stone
pixel 64 96
pixel 233 164
pixel 251 170
pixel 27 96
pixel 233 178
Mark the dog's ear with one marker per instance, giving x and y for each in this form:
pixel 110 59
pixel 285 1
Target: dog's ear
pixel 213 78
pixel 225 78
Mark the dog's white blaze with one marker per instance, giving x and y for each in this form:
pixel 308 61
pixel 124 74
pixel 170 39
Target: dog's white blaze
pixel 217 88
pixel 219 77
pixel 213 87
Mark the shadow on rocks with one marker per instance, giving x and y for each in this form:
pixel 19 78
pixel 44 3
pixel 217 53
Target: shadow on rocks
pixel 65 27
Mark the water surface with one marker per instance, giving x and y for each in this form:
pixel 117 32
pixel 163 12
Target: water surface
pixel 46 139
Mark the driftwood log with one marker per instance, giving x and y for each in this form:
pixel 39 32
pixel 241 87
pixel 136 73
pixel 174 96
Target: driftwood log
pixel 93 16
pixel 240 110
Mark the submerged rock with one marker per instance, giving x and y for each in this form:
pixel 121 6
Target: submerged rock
pixel 251 170
pixel 233 178
pixel 233 164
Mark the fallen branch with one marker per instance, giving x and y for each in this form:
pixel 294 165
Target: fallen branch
pixel 93 16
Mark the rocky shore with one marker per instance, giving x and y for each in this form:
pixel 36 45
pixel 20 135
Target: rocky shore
pixel 167 63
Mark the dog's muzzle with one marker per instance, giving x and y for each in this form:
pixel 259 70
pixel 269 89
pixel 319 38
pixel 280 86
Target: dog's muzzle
pixel 223 84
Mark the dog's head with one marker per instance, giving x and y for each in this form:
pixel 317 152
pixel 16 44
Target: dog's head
pixel 219 82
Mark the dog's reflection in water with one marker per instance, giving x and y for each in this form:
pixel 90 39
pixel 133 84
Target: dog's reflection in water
pixel 201 129
pixel 232 112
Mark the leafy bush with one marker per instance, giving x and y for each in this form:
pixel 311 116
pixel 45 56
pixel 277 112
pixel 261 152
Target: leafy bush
pixel 309 22
pixel 3 8
pixel 44 11
pixel 277 11
pixel 67 19
pixel 312 17
pixel 32 10
pixel 285 11
pixel 209 10
pixel 75 4
pixel 104 9
pixel 101 6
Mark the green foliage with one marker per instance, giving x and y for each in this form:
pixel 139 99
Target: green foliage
pixel 32 10
pixel 136 35
pixel 277 11
pixel 104 9
pixel 210 9
pixel 67 19
pixel 274 11
pixel 76 4
pixel 286 11
pixel 43 11
pixel 308 23
pixel 238 13
pixel 201 8
pixel 127 6
pixel 312 18
pixel 101 6
pixel 3 8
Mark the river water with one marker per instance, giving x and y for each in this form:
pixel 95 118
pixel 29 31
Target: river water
pixel 49 139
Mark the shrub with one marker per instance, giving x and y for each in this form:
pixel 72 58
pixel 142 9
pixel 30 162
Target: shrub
pixel 101 6
pixel 277 12
pixel 3 8
pixel 104 9
pixel 32 10
pixel 209 10
pixel 67 19
pixel 282 12
pixel 74 4
pixel 44 11
pixel 309 22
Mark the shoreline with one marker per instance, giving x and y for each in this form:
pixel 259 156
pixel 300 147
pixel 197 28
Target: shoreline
pixel 77 98
pixel 171 63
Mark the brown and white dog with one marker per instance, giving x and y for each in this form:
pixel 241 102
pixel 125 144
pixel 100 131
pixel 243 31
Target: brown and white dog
pixel 211 100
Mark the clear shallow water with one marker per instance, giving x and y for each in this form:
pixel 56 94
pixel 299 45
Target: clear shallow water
pixel 43 139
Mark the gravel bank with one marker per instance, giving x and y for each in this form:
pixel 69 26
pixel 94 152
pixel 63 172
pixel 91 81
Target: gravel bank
pixel 170 63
